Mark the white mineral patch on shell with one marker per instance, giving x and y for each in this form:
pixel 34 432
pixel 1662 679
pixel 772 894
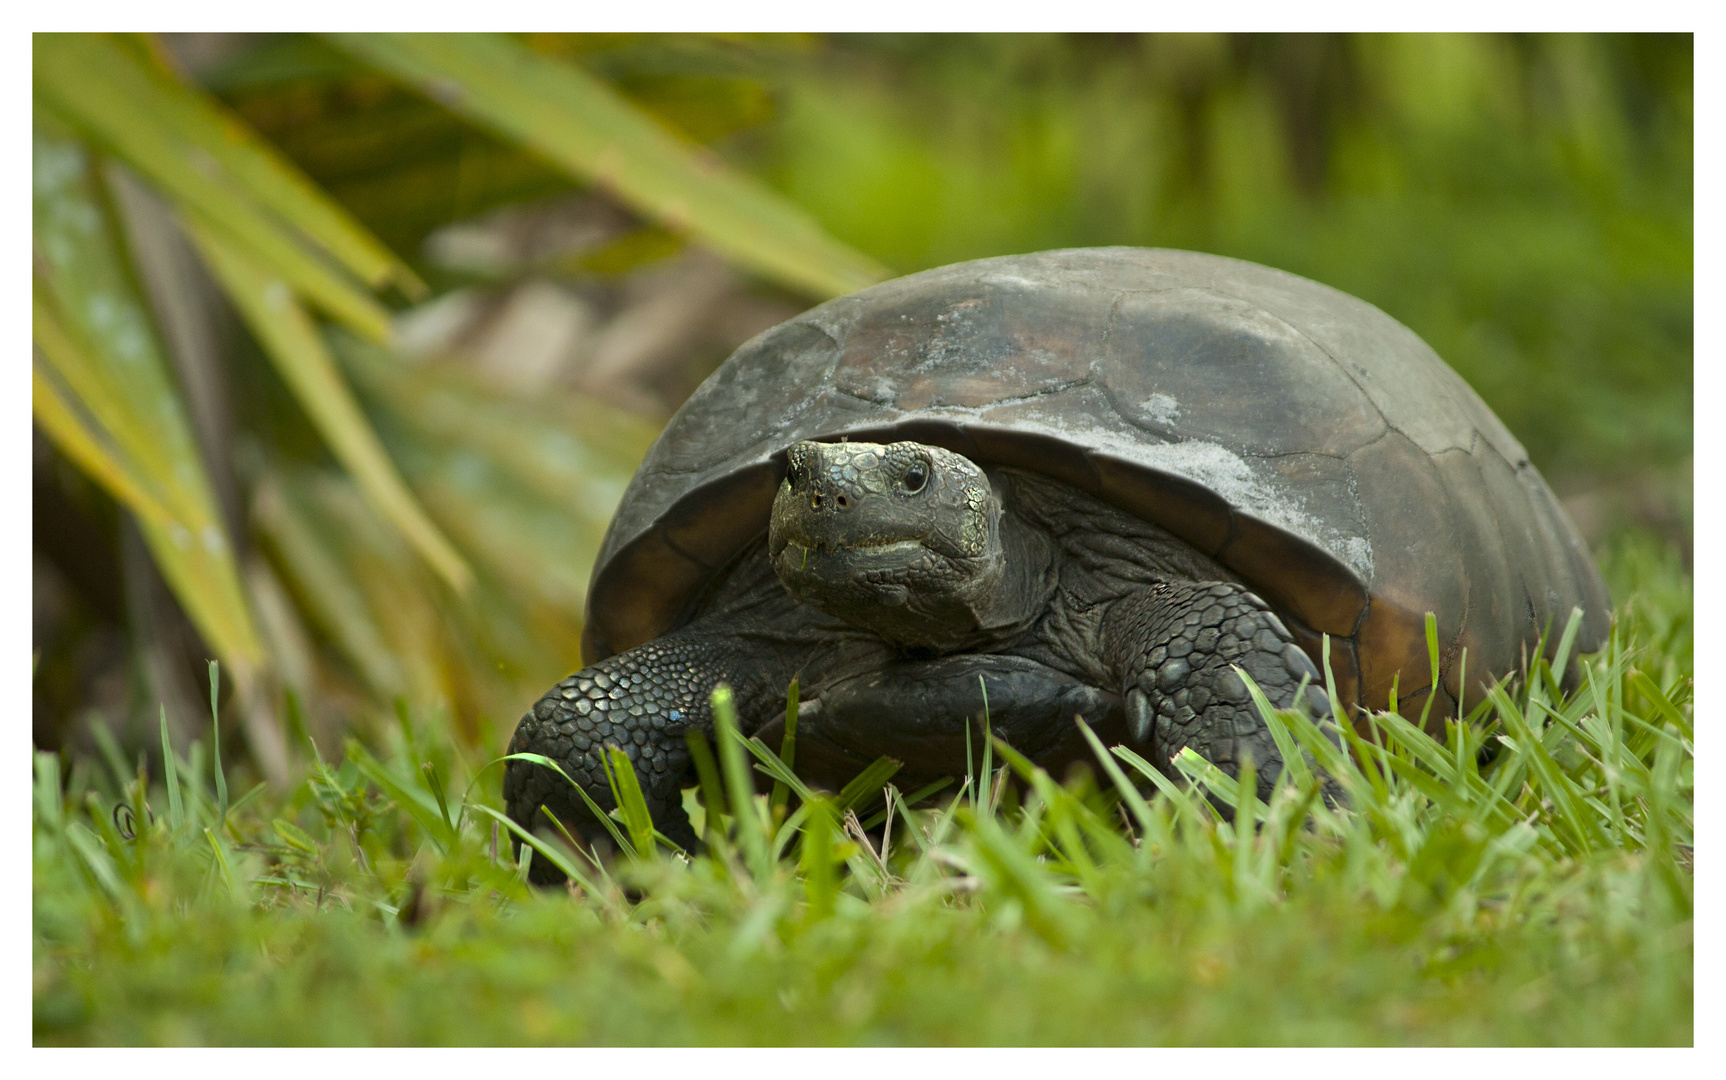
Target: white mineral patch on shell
pixel 1357 552
pixel 998 278
pixel 1269 498
pixel 1162 408
pixel 1228 474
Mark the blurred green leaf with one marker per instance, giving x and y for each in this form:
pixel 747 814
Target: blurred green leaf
pixel 572 449
pixel 527 487
pixel 75 438
pixel 332 598
pixel 92 329
pixel 292 341
pixel 587 128
pixel 90 384
pixel 272 181
pixel 209 165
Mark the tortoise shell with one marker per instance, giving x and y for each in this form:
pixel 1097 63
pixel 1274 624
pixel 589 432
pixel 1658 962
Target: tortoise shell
pixel 1304 439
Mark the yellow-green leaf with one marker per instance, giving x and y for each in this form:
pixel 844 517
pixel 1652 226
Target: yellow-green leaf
pixel 331 596
pixel 526 488
pixel 180 141
pixel 60 421
pixel 582 125
pixel 292 341
pixel 278 184
pixel 114 430
pixel 92 331
pixel 360 582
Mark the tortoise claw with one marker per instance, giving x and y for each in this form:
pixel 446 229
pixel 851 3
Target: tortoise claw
pixel 1139 715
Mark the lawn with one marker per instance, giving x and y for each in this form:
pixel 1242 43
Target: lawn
pixel 1526 881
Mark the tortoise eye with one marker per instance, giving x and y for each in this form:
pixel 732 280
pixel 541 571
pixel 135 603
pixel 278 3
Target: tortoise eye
pixel 915 477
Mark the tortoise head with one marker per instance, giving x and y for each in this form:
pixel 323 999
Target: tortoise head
pixel 902 540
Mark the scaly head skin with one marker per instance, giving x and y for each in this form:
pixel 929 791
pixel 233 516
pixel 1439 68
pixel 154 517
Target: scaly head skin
pixel 903 540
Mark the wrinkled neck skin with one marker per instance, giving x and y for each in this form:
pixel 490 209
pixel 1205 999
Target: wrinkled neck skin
pixel 1027 583
pixel 908 542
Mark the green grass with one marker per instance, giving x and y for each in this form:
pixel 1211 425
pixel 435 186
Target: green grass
pixel 1543 897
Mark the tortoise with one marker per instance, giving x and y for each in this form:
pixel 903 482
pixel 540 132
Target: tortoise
pixel 1084 482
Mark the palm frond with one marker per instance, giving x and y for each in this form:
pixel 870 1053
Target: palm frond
pixel 290 338
pixel 586 128
pixel 98 355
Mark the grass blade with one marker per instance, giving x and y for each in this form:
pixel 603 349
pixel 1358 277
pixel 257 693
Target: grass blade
pixel 970 784
pixel 575 845
pixel 409 796
pixel 50 807
pixel 1247 815
pixel 866 784
pixel 1017 875
pixel 176 809
pixel 1136 804
pixel 549 853
pixel 626 792
pixel 1066 816
pixel 1566 641
pixel 221 776
pixel 1196 811
pixel 435 786
pixel 707 775
pixel 96 859
pixel 221 861
pixel 599 814
pixel 985 792
pixel 1293 760
pixel 751 830
pixel 1432 655
pixel 112 756
pixel 1662 703
pixel 792 825
pixel 817 861
pixel 907 800
pixel 251 793
pixel 1583 829
pixel 1225 788
pixel 787 751
pixel 769 763
pixel 868 870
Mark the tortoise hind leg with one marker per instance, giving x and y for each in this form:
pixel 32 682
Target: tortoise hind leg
pixel 1175 646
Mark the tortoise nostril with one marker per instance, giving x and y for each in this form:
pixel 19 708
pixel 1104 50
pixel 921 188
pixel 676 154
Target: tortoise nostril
pixel 815 500
pixel 842 501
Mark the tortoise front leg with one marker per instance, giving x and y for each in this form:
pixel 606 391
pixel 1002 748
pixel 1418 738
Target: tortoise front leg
pixel 643 701
pixel 1175 646
pixel 922 712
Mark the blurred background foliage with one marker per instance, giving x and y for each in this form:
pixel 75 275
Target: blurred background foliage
pixel 346 347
